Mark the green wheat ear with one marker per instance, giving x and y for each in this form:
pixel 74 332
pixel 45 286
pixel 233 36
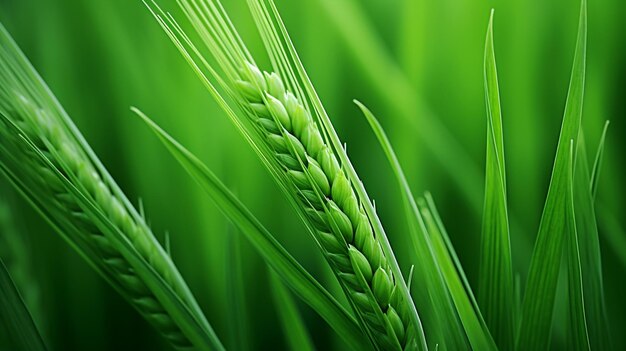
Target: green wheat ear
pixel 281 116
pixel 48 161
pixel 342 227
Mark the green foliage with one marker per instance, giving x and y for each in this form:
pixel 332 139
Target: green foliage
pixel 101 56
pixel 538 302
pixel 588 242
pixel 495 287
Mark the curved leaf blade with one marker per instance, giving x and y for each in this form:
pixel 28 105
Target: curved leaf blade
pixel 578 335
pixel 589 252
pixel 538 303
pixel 453 300
pixel 292 273
pixel 495 287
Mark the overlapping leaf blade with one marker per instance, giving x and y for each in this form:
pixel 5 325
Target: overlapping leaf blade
pixel 475 327
pixel 495 289
pixel 578 336
pixel 538 303
pixel 589 252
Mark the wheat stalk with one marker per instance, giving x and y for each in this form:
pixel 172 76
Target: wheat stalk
pixel 45 157
pixel 281 128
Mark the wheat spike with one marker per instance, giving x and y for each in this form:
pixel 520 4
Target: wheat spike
pixel 45 157
pixel 341 225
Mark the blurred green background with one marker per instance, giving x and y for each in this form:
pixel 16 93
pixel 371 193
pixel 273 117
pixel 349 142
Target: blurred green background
pixel 416 63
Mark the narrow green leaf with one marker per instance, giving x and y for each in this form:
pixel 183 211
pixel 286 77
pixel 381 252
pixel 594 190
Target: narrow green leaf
pixel 439 314
pixel 460 290
pixel 436 268
pixel 495 285
pixel 538 303
pixel 292 273
pixel 18 330
pixel 597 163
pixel 578 336
pixel 589 250
pixel 294 328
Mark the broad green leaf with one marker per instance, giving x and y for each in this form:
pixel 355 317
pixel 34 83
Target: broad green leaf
pixel 538 303
pixel 18 330
pixel 460 290
pixel 578 336
pixel 449 296
pixel 495 287
pixel 292 273
pixel 294 328
pixel 597 163
pixel 589 250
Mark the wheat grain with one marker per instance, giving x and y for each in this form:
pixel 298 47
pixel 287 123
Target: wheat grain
pixel 45 157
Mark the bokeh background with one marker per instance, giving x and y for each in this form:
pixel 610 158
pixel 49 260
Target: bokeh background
pixel 416 63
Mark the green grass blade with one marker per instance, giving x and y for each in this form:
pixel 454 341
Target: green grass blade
pixel 590 256
pixel 466 306
pixel 495 286
pixel 538 303
pixel 448 292
pixel 294 328
pixel 440 318
pixel 18 330
pixel 578 335
pixel 597 163
pixel 292 273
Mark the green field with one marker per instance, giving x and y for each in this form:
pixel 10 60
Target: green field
pixel 487 209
